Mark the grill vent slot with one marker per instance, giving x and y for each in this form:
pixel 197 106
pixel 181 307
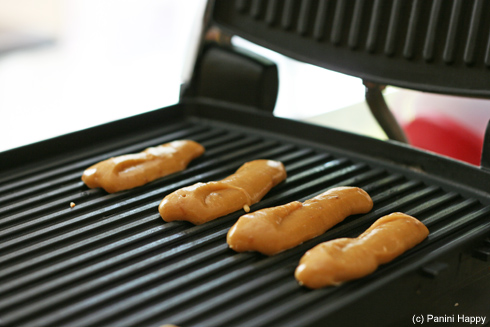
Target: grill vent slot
pixel 355 27
pixel 390 44
pixel 449 47
pixel 469 52
pixel 320 20
pixel 428 52
pixel 373 26
pixel 270 17
pixel 338 22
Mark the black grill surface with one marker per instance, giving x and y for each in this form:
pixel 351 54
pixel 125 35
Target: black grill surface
pixel 417 44
pixel 111 260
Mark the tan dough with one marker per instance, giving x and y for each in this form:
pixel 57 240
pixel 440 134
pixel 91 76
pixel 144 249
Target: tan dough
pixel 276 229
pixel 344 259
pixel 132 170
pixel 203 202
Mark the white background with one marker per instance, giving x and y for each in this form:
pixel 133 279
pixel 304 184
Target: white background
pixel 115 58
pixel 111 59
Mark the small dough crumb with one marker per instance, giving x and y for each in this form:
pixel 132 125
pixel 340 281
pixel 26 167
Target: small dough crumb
pixel 246 208
pixel 72 204
pixel 456 304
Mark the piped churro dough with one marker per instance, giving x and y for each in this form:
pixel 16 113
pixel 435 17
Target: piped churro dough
pixel 132 170
pixel 344 259
pixel 276 229
pixel 203 202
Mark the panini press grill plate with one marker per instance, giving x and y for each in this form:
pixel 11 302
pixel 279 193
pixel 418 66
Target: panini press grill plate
pixel 111 260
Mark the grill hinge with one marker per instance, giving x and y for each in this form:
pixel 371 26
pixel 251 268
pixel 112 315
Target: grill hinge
pixel 485 154
pixel 227 73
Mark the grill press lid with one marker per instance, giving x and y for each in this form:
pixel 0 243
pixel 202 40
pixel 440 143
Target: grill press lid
pixel 429 45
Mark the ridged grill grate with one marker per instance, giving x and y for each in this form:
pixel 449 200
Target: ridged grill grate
pixel 111 260
pixel 429 45
pixel 384 26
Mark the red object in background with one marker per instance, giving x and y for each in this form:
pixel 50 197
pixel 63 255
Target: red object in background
pixel 441 134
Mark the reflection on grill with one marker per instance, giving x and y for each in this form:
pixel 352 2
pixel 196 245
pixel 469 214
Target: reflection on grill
pixel 111 260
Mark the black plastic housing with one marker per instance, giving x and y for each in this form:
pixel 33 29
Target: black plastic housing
pixel 234 75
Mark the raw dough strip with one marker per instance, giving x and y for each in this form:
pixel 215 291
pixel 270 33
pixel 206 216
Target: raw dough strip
pixel 344 259
pixel 202 202
pixel 276 229
pixel 132 170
